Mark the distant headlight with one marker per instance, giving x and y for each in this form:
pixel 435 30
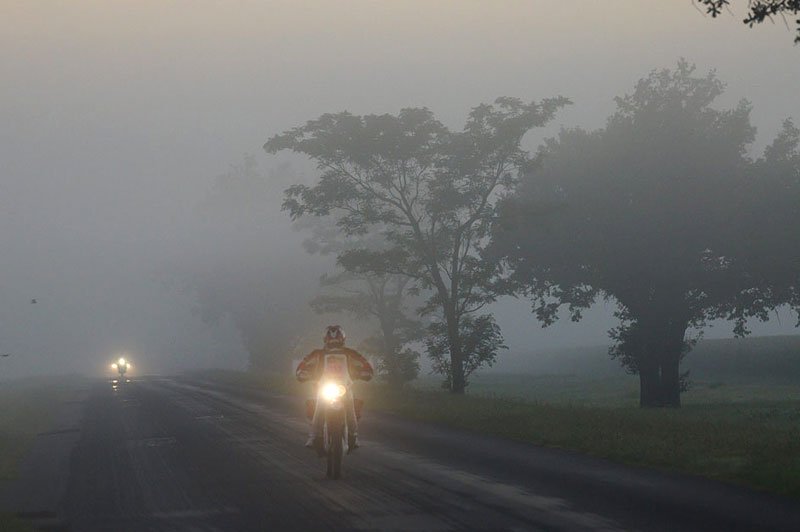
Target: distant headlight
pixel 331 391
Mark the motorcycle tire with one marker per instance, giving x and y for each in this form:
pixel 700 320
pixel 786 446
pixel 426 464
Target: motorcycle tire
pixel 335 446
pixel 337 451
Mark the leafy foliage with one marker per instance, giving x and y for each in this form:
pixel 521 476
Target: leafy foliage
pixel 380 298
pixel 482 341
pixel 767 223
pixel 758 10
pixel 394 366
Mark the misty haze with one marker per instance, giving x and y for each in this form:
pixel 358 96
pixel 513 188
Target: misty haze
pixel 559 239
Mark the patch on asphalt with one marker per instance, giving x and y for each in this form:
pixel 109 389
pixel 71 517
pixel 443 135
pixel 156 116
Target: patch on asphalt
pixel 59 431
pixel 213 417
pixel 152 442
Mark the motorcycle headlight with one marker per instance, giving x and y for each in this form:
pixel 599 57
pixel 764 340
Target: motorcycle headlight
pixel 331 391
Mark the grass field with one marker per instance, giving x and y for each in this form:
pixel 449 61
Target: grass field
pixel 28 407
pixel 618 391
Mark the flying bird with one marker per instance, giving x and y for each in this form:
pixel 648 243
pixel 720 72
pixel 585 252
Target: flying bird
pixel 5 355
pixel 33 301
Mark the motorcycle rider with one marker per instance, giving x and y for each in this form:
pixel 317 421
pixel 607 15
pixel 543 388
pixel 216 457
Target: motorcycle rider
pixel 311 368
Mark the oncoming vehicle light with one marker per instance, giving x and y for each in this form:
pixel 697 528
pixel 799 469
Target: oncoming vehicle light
pixel 332 390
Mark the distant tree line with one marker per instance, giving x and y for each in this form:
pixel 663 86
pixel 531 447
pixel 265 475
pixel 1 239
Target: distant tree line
pixel 662 211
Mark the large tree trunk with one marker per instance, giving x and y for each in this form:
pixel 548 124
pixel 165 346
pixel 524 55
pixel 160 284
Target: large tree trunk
pixel 390 348
pixel 659 363
pixel 671 379
pixel 670 361
pixel 649 383
pixel 458 381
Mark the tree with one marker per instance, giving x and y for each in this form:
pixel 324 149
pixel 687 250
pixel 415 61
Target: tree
pixel 758 10
pixel 378 296
pixel 768 227
pixel 242 276
pixel 655 211
pixel 430 192
pixel 382 298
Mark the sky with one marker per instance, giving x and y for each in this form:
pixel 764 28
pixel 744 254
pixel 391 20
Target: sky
pixel 117 116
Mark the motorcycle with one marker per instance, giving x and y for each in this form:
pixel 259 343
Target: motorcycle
pixel 332 392
pixel 122 366
pixel 335 427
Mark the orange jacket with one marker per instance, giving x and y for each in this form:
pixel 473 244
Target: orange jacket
pixel 310 368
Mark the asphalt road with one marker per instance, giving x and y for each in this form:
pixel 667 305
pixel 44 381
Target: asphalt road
pixel 166 454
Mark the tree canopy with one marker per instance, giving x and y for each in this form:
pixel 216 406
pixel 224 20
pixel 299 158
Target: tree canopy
pixel 430 192
pixel 663 211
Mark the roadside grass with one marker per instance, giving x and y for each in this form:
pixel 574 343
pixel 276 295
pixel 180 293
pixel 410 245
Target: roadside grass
pixel 613 391
pixel 750 442
pixel 568 389
pixel 28 409
pixel 747 434
pixel 10 523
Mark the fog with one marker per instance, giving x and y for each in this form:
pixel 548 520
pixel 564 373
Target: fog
pixel 126 210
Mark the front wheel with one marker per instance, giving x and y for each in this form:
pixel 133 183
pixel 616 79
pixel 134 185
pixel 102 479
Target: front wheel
pixel 335 447
pixel 335 457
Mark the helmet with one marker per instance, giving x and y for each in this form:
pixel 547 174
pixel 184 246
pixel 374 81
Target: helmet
pixel 334 336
